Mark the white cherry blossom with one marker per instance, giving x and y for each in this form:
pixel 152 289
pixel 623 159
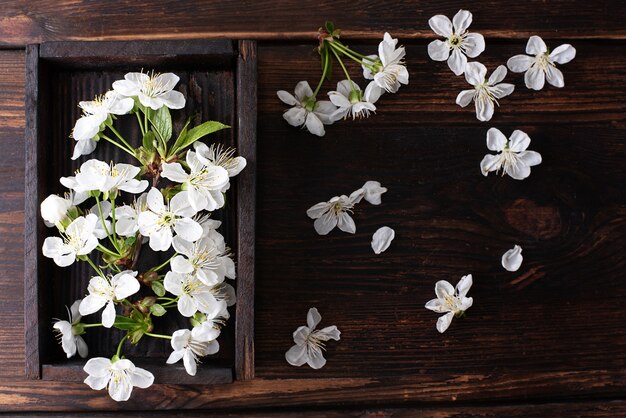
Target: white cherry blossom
pixel 307 111
pixel 335 213
pixel 161 220
pixel 127 216
pixel 69 333
pixel 216 154
pixel 95 113
pixel 77 240
pixel 387 69
pixel 513 158
pixel 203 184
pixel 486 92
pixel 350 101
pixel 459 42
pixel 153 91
pixel 541 66
pixel 103 292
pixel 310 342
pixel 107 178
pixel 512 259
pixel 451 301
pixel 54 208
pixel 193 294
pixel 206 322
pixel 190 345
pixel 119 377
pixel 203 259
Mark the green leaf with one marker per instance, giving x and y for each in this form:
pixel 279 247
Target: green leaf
pixel 148 141
pixel 180 139
pixel 161 121
pixel 130 241
pixel 198 132
pixel 125 323
pixel 330 27
pixel 157 310
pixel 157 288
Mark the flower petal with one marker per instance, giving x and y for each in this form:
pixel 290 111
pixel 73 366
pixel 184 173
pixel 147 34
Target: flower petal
pixel 186 307
pixel 313 318
pixel 435 305
pixel 563 54
pixel 464 285
pixel 512 259
pixel 190 363
pixel 519 63
pixel 555 77
pixel 314 124
pixel 346 223
pixel 120 390
pixel 461 21
pixel 188 229
pixel 519 141
pixel 325 223
pixel 444 322
pixel 316 358
pixel 502 90
pixel 328 333
pixel 490 163
pixel 91 304
pixel 535 46
pixel 457 62
pixel 295 116
pixel 142 378
pixel 465 97
pixel 475 73
pixel 530 158
pixel 108 315
pixel 484 110
pixel 438 50
pixel 517 171
pixel 498 75
pixel 441 25
pixel 474 44
pixel 296 355
pixel 382 239
pixel 535 78
pixel 303 90
pixel 496 141
pixel 443 288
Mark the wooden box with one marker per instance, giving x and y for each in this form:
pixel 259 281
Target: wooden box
pixel 218 79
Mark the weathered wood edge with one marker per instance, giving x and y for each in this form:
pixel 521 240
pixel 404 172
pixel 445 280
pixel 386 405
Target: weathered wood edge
pixel 131 49
pixel 172 374
pixel 246 206
pixel 31 193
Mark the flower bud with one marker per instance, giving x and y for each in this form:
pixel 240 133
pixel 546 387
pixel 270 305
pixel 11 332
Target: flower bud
pixel 54 209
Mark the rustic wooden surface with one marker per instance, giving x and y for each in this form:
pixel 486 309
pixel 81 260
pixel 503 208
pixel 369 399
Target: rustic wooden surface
pixel 552 332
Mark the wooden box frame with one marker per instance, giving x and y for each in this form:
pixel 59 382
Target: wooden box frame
pixel 240 57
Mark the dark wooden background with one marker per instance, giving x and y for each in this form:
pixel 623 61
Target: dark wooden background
pixel 547 340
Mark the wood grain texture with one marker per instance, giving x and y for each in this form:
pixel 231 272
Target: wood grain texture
pixel 552 332
pixel 25 22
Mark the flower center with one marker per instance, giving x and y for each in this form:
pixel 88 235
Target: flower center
pixel 309 104
pixel 455 41
pixel 154 87
pixel 166 219
pixel 191 285
pixel 544 61
pixel 355 96
pixel 485 93
pixel 313 341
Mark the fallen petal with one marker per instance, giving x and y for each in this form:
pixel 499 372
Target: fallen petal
pixel 382 239
pixel 512 259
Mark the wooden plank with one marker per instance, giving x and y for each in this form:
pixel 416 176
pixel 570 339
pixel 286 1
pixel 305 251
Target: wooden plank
pixel 31 214
pixel 246 208
pixel 31 21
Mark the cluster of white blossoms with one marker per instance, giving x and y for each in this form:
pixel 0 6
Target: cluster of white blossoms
pixel 164 202
pixel 459 44
pixel 386 72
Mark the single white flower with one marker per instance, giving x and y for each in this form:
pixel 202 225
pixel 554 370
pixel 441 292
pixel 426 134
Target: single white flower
pixel 118 376
pixel 373 192
pixel 203 185
pixel 512 259
pixel 77 240
pixel 203 259
pixel 485 92
pixel 349 101
pixel 193 294
pixel 160 220
pixel 542 66
pixel 103 292
pixel 389 69
pixel 450 301
pixel 382 239
pixel 306 110
pixel 107 178
pixel 216 154
pixel 127 216
pixel 458 40
pixel 206 322
pixel 69 333
pixel 335 212
pixel 189 345
pixel 95 113
pixel 513 158
pixel 310 342
pixel 153 91
pixel 54 209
